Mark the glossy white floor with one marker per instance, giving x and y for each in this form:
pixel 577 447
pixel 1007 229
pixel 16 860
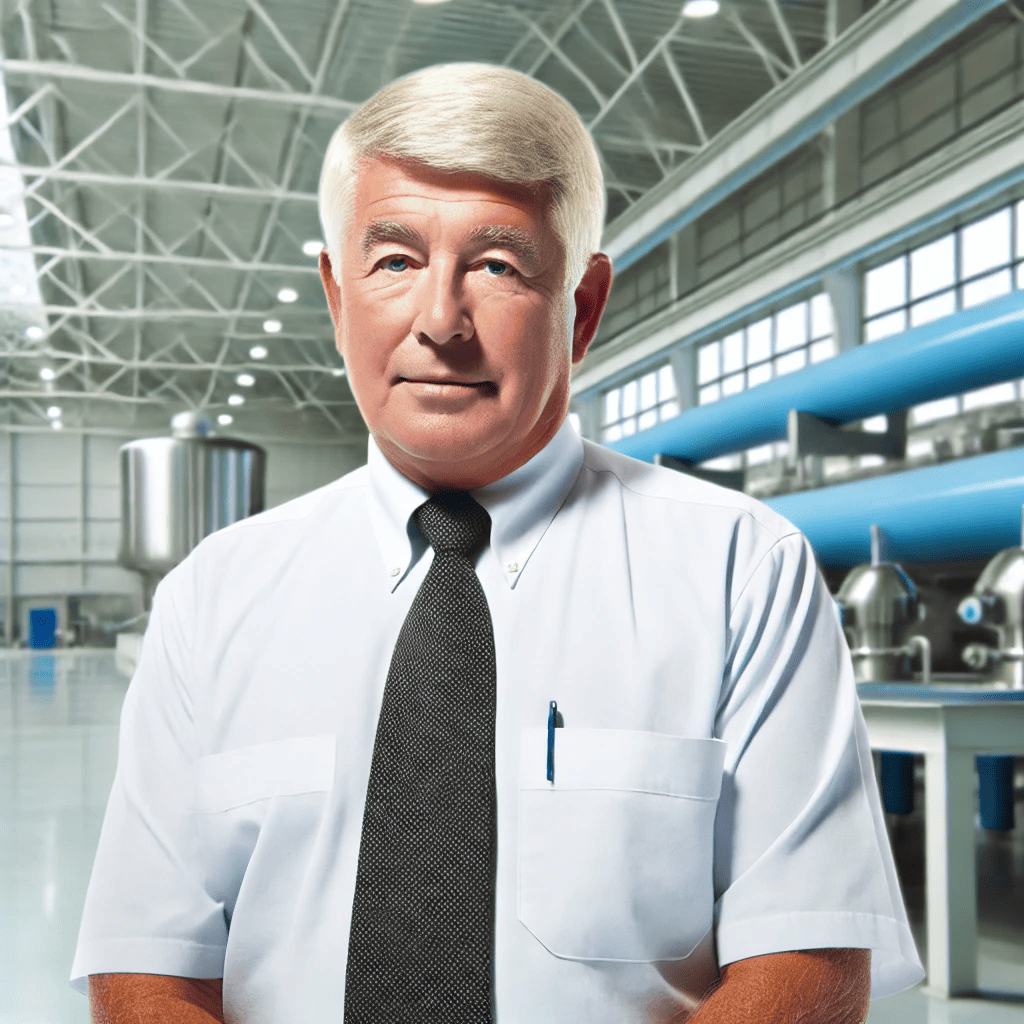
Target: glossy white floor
pixel 58 738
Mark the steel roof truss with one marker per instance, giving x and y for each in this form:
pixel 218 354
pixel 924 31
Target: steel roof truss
pixel 691 108
pixel 281 40
pixel 784 32
pixel 772 63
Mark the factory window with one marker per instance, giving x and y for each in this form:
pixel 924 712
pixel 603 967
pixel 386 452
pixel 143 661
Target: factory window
pixel 771 347
pixel 973 77
pixel 975 263
pixel 780 201
pixel 639 404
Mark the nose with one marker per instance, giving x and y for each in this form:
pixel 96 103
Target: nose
pixel 442 312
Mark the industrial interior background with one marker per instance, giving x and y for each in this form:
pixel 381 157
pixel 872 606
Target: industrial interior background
pixel 816 217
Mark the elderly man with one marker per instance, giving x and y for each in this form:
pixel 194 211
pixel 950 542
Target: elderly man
pixel 503 726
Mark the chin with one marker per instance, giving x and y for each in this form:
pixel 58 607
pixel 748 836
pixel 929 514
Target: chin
pixel 446 451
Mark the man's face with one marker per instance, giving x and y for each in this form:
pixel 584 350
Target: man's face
pixel 452 318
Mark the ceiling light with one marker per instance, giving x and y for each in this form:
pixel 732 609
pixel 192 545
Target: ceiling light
pixel 338 373
pixel 312 247
pixel 17 290
pixel 225 418
pixel 258 352
pixel 47 374
pixel 235 399
pixel 246 380
pixel 53 412
pixel 6 219
pixel 271 326
pixel 180 420
pixel 700 8
pixel 56 424
pixel 287 295
pixel 34 332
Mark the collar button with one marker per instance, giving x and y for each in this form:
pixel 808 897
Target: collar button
pixel 397 569
pixel 513 567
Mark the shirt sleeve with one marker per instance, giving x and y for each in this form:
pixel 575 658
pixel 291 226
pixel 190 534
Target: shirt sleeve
pixel 147 910
pixel 802 856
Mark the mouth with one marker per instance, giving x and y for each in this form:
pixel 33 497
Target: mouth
pixel 446 382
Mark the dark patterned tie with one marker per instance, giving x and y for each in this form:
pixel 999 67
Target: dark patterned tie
pixel 421 944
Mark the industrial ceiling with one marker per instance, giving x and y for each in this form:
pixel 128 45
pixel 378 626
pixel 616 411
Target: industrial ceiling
pixel 158 220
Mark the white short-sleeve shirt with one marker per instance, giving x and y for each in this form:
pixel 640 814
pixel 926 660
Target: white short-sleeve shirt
pixel 714 796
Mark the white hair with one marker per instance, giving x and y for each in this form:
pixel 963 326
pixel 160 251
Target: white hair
pixel 481 119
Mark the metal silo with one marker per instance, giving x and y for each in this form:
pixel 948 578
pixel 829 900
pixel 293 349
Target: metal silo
pixel 177 490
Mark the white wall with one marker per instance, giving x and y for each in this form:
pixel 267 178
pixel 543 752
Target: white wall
pixel 65 500
pixel 294 469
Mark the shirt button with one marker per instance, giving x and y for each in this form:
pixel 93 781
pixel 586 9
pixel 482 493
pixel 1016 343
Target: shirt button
pixel 513 567
pixel 396 570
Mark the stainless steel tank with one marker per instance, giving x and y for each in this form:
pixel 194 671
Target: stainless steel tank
pixel 997 603
pixel 878 603
pixel 176 490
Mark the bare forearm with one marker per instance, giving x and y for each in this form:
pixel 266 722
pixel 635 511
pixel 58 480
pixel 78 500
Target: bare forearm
pixel 154 999
pixel 827 986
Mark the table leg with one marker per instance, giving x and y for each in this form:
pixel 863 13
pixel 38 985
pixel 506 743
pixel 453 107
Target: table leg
pixel 951 901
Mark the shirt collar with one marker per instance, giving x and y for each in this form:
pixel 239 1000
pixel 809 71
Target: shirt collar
pixel 521 505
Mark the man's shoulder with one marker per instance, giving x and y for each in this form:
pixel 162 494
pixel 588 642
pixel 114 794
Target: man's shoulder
pixel 686 495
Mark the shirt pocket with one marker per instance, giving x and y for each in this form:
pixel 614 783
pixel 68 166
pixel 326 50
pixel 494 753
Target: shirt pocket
pixel 274 787
pixel 616 855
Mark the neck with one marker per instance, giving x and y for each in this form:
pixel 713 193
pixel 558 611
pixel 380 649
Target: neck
pixel 436 475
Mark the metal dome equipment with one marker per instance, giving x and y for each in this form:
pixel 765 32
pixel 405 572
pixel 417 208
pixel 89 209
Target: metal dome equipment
pixel 176 490
pixel 997 603
pixel 879 604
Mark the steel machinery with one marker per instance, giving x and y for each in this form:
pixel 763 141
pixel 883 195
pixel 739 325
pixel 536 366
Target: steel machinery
pixel 176 490
pixel 878 605
pixel 997 603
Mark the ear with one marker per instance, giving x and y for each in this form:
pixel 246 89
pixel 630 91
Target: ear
pixel 590 297
pixel 333 293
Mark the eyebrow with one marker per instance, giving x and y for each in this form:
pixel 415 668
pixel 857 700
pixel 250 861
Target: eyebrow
pixel 381 231
pixel 515 240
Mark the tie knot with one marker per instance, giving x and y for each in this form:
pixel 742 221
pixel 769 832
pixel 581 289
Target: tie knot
pixel 453 521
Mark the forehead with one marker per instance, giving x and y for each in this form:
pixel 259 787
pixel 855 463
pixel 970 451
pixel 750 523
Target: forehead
pixel 385 186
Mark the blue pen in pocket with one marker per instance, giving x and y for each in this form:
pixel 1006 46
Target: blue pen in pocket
pixel 554 722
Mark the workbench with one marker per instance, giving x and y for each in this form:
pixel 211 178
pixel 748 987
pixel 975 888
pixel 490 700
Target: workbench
pixel 950 724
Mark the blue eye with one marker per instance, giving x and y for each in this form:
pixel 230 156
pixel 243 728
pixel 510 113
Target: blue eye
pixel 391 260
pixel 502 268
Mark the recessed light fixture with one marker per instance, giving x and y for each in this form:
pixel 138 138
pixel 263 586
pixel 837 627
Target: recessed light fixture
pixel 287 295
pixel 18 290
pixel 53 412
pixel 6 219
pixel 258 352
pixel 426 2
pixel 34 333
pixel 46 373
pixel 312 247
pixel 235 399
pixel 246 380
pixel 338 373
pixel 271 326
pixel 56 424
pixel 700 8
pixel 225 418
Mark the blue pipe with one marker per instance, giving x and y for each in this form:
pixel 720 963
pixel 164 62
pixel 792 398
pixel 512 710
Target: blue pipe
pixel 968 350
pixel 966 508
